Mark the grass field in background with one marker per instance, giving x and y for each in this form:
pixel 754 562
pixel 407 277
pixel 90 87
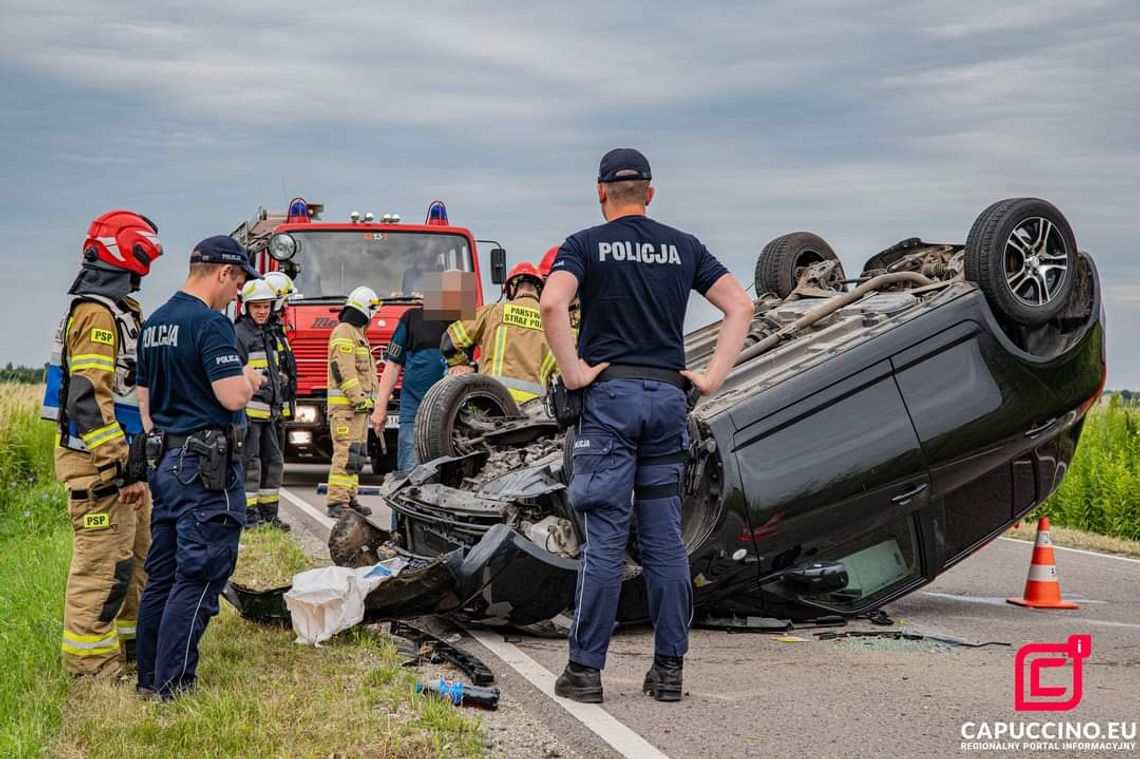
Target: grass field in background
pixel 1101 491
pixel 35 548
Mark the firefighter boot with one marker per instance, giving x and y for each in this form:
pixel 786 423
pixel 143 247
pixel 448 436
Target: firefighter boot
pixel 580 683
pixel 252 516
pixel 663 680
pixel 268 511
pixel 359 507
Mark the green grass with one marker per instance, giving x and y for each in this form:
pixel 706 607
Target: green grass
pixel 269 558
pixel 259 694
pixel 35 548
pixel 1101 491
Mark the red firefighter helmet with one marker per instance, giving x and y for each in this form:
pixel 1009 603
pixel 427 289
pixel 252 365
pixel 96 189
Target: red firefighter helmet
pixel 521 272
pixel 547 262
pixel 123 240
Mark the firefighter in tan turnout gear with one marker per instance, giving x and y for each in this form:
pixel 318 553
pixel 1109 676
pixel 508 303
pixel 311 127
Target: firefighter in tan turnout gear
pixel 512 346
pixel 351 398
pixel 91 396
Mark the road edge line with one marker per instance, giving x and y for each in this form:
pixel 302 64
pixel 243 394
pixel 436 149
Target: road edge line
pixel 312 519
pixel 612 731
pixel 1077 550
pixel 619 736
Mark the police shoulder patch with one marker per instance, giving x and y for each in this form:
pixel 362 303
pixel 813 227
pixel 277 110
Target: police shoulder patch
pixel 102 336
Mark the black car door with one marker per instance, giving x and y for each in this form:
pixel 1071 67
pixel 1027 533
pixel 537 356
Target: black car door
pixel 979 413
pixel 836 474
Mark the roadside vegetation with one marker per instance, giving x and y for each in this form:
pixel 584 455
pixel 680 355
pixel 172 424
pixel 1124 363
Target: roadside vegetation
pixel 1101 491
pixel 35 547
pixel 260 694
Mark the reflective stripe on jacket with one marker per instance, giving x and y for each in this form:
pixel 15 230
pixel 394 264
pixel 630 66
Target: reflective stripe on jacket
pixel 512 346
pixel 257 347
pixel 91 382
pixel 352 371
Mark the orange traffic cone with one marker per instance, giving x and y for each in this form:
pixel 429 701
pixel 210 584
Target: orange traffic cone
pixel 1043 589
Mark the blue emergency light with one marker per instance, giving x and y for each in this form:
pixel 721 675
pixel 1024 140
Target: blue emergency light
pixel 298 211
pixel 437 214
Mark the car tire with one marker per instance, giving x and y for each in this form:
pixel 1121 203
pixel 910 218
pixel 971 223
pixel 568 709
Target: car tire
pixel 440 412
pixel 1022 254
pixel 781 261
pixel 353 541
pixel 568 456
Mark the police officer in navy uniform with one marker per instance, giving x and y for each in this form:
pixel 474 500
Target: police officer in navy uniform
pixel 633 276
pixel 193 387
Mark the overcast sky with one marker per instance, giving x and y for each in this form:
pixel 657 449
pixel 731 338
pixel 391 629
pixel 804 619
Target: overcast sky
pixel 865 122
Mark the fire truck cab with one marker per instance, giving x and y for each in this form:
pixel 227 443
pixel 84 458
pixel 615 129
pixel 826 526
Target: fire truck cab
pixel 326 261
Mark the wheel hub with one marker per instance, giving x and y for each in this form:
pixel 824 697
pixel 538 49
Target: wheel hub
pixel 1036 261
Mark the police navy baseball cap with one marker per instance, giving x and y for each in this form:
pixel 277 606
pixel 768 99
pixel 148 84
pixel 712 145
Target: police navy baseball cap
pixel 622 164
pixel 221 249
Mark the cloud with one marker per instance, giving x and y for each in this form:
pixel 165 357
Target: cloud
pixel 866 123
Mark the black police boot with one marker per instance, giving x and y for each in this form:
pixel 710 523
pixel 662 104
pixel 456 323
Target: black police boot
pixel 269 518
pixel 663 680
pixel 336 510
pixel 580 683
pixel 359 508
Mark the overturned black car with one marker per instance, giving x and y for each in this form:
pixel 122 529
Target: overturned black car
pixel 875 431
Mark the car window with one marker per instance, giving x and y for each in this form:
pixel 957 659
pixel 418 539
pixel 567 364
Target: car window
pixel 876 562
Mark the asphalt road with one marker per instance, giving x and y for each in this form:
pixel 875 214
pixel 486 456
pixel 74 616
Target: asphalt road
pixel 753 695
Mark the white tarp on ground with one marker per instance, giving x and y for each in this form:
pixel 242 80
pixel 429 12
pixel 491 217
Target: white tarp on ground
pixel 326 601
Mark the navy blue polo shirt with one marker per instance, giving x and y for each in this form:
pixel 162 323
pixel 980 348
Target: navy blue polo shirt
pixel 185 346
pixel 415 346
pixel 634 278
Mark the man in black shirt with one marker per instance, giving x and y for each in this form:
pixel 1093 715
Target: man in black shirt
pixel 633 276
pixel 193 387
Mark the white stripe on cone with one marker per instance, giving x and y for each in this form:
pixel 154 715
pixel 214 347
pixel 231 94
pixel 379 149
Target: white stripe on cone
pixel 1042 573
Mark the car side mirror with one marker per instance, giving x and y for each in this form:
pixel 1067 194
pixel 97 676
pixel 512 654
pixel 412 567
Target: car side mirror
pixel 815 578
pixel 498 266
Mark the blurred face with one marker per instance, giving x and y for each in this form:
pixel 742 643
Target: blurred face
pixel 449 295
pixel 259 311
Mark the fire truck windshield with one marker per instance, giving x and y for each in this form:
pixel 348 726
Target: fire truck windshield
pixel 330 264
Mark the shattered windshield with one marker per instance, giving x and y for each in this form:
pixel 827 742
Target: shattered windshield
pixel 334 263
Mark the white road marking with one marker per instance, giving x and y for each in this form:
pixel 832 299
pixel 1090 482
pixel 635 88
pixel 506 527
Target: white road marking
pixel 1077 550
pixel 1065 615
pixel 996 601
pixel 600 722
pixel 304 506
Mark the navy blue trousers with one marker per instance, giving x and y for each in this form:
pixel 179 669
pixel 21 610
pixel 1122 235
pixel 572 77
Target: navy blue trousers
pixel 627 430
pixel 193 550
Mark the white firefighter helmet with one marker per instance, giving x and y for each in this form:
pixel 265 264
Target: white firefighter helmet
pixel 282 284
pixel 257 289
pixel 364 300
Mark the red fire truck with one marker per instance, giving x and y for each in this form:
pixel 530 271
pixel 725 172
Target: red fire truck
pixel 327 260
